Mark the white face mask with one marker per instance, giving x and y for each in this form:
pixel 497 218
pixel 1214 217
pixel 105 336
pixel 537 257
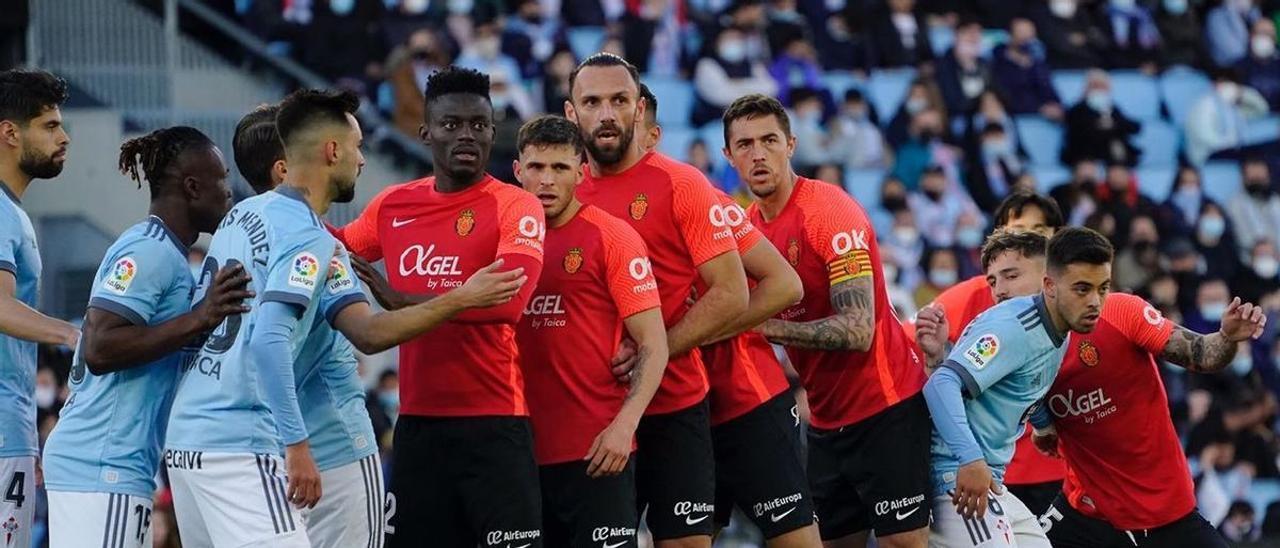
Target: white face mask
pixel 45 395
pixel 1064 9
pixel 733 51
pixel 488 47
pixel 1213 311
pixel 415 6
pixel 969 237
pixel 342 7
pixel 906 235
pixel 1176 7
pixel 1262 46
pixel 1229 91
pixel 461 7
pixel 1266 267
pixel 943 277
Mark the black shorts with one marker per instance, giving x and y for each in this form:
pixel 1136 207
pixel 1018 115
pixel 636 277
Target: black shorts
pixel 463 482
pixel 1068 528
pixel 579 511
pixel 1037 496
pixel 864 475
pixel 760 468
pixel 675 473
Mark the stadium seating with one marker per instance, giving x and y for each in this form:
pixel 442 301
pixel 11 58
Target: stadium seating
pixel 585 41
pixel 1159 144
pixel 1262 130
pixel 887 88
pixel 1221 180
pixel 864 186
pixel 675 100
pixel 1179 88
pixel 676 140
pixel 1041 138
pixel 1135 94
pixel 1069 84
pixel 839 81
pixel 1048 176
pixel 1156 181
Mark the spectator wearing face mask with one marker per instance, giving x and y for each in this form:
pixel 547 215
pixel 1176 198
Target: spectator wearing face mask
pixel 857 138
pixel 796 67
pixel 1072 39
pixel 1135 39
pixel 1179 212
pixel 993 168
pixel 943 272
pixel 923 95
pixel 1216 243
pixel 1226 30
pixel 725 73
pixel 555 84
pixel 1240 524
pixel 901 37
pixel 1096 128
pixel 904 249
pixel 963 74
pixel 1255 213
pixel 812 140
pixel 1212 298
pixel 1139 262
pixel 1182 34
pixel 1075 197
pixel 511 107
pixel 484 52
pixel 1261 67
pixel 530 38
pixel 1121 199
pixel 926 148
pixel 938 206
pixel 1022 73
pixel 1261 274
pixel 1216 122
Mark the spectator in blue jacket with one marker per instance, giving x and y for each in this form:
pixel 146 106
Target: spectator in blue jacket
pixel 1261 67
pixel 1023 75
pixel 963 74
pixel 1226 30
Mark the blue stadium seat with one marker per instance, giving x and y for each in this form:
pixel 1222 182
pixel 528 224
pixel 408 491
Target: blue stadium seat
pixel 1262 130
pixel 1179 89
pixel 1070 86
pixel 675 100
pixel 1221 180
pixel 887 88
pixel 713 135
pixel 1158 141
pixel 1155 182
pixel 1049 176
pixel 941 37
pixel 585 41
pixel 1041 138
pixel 864 186
pixel 992 38
pixel 676 140
pixel 1263 492
pixel 839 81
pixel 1135 94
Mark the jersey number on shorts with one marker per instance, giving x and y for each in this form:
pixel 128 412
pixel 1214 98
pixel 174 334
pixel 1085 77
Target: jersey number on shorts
pixel 14 492
pixel 389 511
pixel 1049 518
pixel 224 336
pixel 144 520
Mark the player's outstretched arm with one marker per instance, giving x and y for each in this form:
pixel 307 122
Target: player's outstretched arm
pixel 1214 352
pixel 852 327
pixel 114 343
pixel 777 287
pixel 20 321
pixel 612 447
pixel 943 394
pixel 372 333
pixel 726 298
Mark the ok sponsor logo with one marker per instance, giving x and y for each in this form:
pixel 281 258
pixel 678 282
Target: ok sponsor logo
pixel 843 243
pixel 725 218
pixel 687 509
pixel 423 261
pixel 641 270
pixel 495 538
pixel 532 232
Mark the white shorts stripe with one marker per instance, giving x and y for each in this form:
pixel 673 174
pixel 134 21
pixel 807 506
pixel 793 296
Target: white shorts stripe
pixel 266 493
pixel 368 502
pixel 284 494
pixel 379 520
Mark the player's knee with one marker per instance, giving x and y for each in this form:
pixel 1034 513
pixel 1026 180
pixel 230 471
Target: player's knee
pixel 697 541
pixel 917 538
pixel 855 540
pixel 804 537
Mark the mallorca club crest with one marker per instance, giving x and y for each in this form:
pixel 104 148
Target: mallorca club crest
pixel 793 252
pixel 10 528
pixel 1088 354
pixel 573 260
pixel 639 206
pixel 466 222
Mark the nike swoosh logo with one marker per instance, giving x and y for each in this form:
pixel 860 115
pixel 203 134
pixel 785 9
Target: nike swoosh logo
pixel 776 518
pixel 522 545
pixel 901 516
pixel 397 223
pixel 688 520
pixel 607 545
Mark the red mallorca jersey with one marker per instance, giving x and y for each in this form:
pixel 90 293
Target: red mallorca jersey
pixel 597 274
pixel 827 237
pixel 678 214
pixel 432 242
pixel 1124 462
pixel 743 371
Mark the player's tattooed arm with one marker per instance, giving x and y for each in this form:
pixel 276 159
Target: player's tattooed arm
pixel 612 447
pixel 1199 353
pixel 851 328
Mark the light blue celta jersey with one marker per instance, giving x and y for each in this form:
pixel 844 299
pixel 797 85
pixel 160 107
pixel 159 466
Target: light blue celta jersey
pixel 20 257
pixel 1007 357
pixel 221 405
pixel 110 433
pixel 329 390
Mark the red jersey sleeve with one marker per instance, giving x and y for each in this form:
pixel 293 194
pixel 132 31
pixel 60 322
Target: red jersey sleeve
pixel 1140 322
pixel 744 233
pixel 361 235
pixel 628 272
pixel 842 236
pixel 703 222
pixel 521 231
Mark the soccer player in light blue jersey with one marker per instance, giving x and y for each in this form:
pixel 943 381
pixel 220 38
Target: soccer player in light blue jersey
pixel 979 399
pixel 33 145
pixel 102 457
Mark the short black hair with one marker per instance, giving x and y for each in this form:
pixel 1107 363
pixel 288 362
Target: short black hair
pixel 26 94
pixel 755 105
pixel 603 59
pixel 1028 244
pixel 307 108
pixel 1075 245
pixel 992 129
pixel 549 130
pixel 152 154
pixel 257 146
pixel 454 79
pixel 1016 203
pixel 650 105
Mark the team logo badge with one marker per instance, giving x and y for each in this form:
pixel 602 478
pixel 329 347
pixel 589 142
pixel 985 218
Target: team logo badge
pixel 121 275
pixel 639 206
pixel 983 350
pixel 10 528
pixel 573 261
pixel 793 252
pixel 339 277
pixel 466 222
pixel 305 271
pixel 1088 353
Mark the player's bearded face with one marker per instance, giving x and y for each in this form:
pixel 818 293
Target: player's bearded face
pixel 44 148
pixel 350 164
pixel 1079 292
pixel 610 139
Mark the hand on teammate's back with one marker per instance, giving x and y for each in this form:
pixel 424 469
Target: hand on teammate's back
pixel 1046 441
pixel 624 361
pixel 1243 321
pixel 303 476
pixel 610 450
pixel 387 297
pixel 931 333
pixel 488 287
pixel 226 296
pixel 974 484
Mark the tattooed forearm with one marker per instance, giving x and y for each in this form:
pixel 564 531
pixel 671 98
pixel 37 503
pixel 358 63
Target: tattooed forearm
pixel 644 362
pixel 1199 353
pixel 851 328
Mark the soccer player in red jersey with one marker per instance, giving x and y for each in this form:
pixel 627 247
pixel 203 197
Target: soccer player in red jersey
pixel 598 282
pixel 464 472
pixel 869 442
pixel 676 211
pixel 755 424
pixel 1032 477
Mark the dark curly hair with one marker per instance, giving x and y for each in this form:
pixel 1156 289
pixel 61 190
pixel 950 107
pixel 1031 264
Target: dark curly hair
pixel 549 130
pixel 26 94
pixel 453 79
pixel 306 108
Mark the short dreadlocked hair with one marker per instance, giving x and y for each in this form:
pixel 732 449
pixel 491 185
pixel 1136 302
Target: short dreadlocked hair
pixel 454 79
pixel 26 94
pixel 307 108
pixel 257 146
pixel 154 153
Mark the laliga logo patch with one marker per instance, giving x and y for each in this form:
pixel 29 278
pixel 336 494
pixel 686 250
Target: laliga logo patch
pixel 305 270
pixel 121 275
pixel 573 261
pixel 639 206
pixel 981 352
pixel 339 277
pixel 466 222
pixel 1088 354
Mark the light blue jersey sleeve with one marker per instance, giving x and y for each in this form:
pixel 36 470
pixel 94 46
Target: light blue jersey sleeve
pixel 293 274
pixel 139 276
pixel 991 349
pixel 11 236
pixel 943 395
pixel 341 288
